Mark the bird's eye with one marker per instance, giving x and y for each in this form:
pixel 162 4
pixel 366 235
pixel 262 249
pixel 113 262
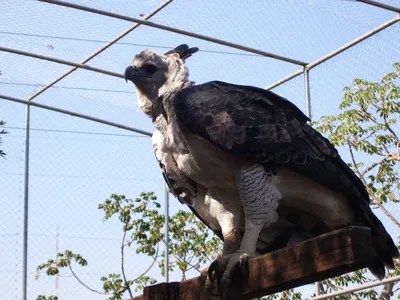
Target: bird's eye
pixel 150 68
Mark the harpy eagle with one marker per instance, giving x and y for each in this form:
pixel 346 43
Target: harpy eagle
pixel 248 164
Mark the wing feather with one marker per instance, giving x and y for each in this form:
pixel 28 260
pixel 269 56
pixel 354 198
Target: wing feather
pixel 261 126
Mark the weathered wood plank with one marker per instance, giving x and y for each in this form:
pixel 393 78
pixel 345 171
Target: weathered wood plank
pixel 325 256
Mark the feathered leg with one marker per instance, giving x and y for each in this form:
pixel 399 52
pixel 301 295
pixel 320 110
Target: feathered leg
pixel 228 217
pixel 260 197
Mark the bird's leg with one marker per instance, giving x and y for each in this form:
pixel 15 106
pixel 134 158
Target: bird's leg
pixel 260 198
pixel 228 218
pixel 230 224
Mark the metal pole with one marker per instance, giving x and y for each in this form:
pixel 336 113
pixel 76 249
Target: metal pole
pixel 308 114
pixel 307 92
pixel 381 5
pixel 56 285
pixel 354 42
pixel 358 288
pixel 337 51
pixel 68 112
pixel 166 265
pixel 61 61
pixel 176 30
pixel 26 206
pixel 317 288
pixel 285 79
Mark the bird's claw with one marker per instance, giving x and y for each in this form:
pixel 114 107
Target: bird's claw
pixel 224 269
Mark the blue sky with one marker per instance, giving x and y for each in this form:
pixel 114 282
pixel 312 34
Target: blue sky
pixel 76 164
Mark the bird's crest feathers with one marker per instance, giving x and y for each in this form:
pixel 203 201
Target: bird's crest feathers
pixel 159 76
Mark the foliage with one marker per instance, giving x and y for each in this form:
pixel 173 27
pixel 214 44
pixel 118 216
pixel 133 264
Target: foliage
pixel 189 236
pixel 189 249
pixel 366 127
pixel 41 297
pixel 2 154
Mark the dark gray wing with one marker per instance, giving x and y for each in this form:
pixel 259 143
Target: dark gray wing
pixel 260 126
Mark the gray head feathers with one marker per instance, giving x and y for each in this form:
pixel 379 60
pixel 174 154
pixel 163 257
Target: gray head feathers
pixel 159 77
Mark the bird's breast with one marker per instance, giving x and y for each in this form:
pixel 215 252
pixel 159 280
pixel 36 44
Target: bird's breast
pixel 207 164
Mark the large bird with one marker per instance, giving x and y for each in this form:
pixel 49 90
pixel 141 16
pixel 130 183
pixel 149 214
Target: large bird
pixel 248 164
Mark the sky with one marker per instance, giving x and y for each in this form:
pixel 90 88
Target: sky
pixel 75 164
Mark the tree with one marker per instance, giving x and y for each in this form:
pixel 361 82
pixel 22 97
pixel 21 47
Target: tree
pixel 191 246
pixel 366 128
pixel 2 154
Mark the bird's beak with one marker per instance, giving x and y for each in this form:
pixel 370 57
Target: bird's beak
pixel 131 73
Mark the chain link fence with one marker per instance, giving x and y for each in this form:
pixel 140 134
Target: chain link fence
pixel 88 147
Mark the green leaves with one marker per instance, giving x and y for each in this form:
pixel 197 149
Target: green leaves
pixel 63 260
pixel 115 285
pixel 42 297
pixel 366 127
pixel 371 112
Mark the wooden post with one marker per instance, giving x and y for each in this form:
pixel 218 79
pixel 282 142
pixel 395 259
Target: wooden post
pixel 325 256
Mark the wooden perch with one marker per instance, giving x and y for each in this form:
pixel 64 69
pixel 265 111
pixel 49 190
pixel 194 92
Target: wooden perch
pixel 325 256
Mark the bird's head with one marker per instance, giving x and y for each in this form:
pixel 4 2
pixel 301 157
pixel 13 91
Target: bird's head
pixel 157 76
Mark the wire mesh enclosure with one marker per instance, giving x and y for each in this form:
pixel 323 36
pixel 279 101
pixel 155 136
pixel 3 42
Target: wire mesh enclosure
pixel 76 134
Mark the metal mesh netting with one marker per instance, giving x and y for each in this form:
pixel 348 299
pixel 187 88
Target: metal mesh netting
pixel 12 197
pixel 81 167
pixel 370 60
pixel 75 163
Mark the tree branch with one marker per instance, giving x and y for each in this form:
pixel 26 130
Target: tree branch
pixel 84 284
pixel 353 159
pixel 284 295
pixel 332 286
pixel 387 124
pixel 151 265
pixel 386 212
pixel 122 262
pixel 379 162
pixel 376 201
pixel 387 291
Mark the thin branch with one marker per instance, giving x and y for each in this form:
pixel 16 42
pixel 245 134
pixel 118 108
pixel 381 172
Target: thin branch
pixel 376 163
pixel 353 159
pixel 386 149
pixel 332 286
pixel 369 116
pixel 206 256
pixel 392 131
pixel 387 291
pixel 103 293
pixel 122 262
pixel 374 199
pixel 398 148
pixel 368 136
pixel 284 294
pixel 387 124
pixel 151 265
pixel 386 212
pixel 188 263
pixel 86 286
